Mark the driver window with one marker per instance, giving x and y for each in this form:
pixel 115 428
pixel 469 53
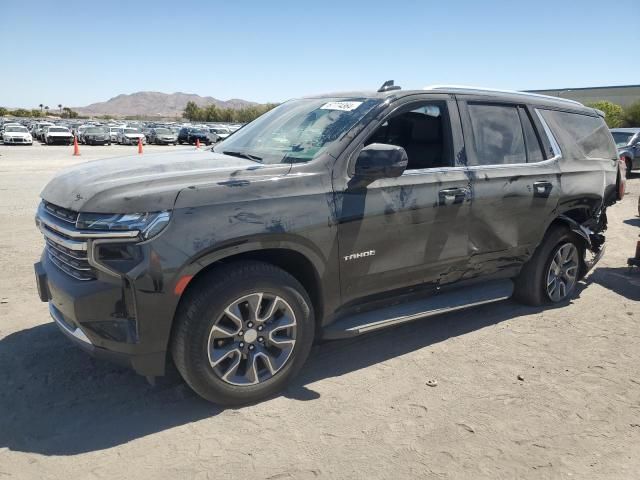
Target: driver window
pixel 423 132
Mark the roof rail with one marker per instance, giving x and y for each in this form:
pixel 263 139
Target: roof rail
pixel 467 89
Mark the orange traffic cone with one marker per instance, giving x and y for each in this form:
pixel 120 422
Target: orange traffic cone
pixel 197 143
pixel 140 146
pixel 76 148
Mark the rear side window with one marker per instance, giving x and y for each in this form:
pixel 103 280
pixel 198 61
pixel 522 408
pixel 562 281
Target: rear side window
pixel 534 150
pixel 580 136
pixel 497 134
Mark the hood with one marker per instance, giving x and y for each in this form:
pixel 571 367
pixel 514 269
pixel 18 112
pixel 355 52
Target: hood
pixel 147 183
pixel 17 134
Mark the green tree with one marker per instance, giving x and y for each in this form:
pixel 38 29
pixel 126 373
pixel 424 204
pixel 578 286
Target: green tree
pixel 3 111
pixel 20 112
pixel 614 114
pixel 68 113
pixel 632 115
pixel 36 113
pixel 192 111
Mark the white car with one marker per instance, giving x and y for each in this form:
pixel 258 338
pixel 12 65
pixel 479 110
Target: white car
pixel 16 134
pixel 57 134
pixel 39 130
pixel 113 133
pixel 221 132
pixel 130 136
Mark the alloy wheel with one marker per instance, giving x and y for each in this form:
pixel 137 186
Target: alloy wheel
pixel 563 272
pixel 252 340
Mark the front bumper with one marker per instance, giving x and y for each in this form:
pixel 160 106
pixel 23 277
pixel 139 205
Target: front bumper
pixel 101 317
pixel 18 141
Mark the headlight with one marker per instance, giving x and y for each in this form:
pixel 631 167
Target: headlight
pixel 148 224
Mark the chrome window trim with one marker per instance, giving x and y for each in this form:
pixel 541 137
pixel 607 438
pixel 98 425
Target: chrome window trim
pixel 557 153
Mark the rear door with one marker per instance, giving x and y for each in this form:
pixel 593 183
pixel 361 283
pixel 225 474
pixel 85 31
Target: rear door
pixel 515 183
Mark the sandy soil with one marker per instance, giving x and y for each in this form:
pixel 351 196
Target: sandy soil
pixel 360 408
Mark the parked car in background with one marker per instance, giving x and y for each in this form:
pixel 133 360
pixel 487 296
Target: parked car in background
pixel 55 134
pixel 330 217
pixel 39 130
pixel 96 136
pixel 162 136
pixel 628 144
pixel 190 135
pixel 16 135
pixel 220 132
pixel 130 136
pixel 113 133
pixel 80 131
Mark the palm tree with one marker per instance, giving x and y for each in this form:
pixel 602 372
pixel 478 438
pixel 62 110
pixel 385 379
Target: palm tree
pixel 47 109
pixel 41 105
pixel 60 107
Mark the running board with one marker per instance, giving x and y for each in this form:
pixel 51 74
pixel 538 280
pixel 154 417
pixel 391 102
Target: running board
pixel 442 302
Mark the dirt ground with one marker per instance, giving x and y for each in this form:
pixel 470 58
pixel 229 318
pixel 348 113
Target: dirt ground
pixel 360 408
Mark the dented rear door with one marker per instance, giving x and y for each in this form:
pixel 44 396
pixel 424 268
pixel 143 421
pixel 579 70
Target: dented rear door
pixel 515 182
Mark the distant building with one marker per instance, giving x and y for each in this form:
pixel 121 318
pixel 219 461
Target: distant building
pixel 623 95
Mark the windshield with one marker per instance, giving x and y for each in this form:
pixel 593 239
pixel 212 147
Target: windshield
pixel 163 131
pixel 298 130
pixel 622 138
pixel 58 129
pixel 131 130
pixel 16 129
pixel 94 130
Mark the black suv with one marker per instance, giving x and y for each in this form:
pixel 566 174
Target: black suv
pixel 190 135
pixel 325 218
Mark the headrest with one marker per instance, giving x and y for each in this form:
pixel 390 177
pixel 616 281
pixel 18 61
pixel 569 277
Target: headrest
pixel 425 128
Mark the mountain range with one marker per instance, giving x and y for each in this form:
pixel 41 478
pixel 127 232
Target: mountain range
pixel 155 104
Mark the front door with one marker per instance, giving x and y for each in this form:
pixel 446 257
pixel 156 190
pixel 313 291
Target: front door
pixel 397 233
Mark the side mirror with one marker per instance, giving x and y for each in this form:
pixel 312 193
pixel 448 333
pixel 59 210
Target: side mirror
pixel 380 160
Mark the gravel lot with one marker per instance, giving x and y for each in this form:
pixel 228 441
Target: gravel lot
pixel 360 409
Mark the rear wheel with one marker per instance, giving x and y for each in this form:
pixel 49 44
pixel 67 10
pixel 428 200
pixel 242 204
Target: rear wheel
pixel 552 273
pixel 629 165
pixel 242 332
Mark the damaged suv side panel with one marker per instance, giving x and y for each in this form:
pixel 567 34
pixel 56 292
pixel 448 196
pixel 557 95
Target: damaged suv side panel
pixel 327 217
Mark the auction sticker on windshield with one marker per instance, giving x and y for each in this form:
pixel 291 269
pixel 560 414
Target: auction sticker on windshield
pixel 343 106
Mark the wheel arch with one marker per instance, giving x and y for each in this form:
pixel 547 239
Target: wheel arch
pixel 303 264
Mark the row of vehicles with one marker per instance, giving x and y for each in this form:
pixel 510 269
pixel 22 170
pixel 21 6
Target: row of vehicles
pixel 25 132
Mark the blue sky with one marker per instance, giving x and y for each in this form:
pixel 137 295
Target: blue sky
pixel 79 52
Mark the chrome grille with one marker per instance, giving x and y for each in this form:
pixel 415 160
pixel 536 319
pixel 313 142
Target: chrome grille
pixel 64 214
pixel 72 262
pixel 68 248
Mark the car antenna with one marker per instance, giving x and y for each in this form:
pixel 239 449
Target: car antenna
pixel 387 86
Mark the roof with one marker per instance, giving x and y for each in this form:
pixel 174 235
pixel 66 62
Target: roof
pixel 627 130
pixel 509 95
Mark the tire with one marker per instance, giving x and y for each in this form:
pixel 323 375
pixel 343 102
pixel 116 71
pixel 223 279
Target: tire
pixel 204 305
pixel 531 283
pixel 629 165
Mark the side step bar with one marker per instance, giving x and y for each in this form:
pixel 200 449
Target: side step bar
pixel 444 302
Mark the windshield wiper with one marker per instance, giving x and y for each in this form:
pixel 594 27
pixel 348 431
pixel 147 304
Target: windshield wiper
pixel 242 155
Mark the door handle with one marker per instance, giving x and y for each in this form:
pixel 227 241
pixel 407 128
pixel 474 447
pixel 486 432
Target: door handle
pixel 542 189
pixel 450 196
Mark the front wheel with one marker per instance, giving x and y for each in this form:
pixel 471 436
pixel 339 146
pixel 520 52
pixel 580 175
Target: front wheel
pixel 553 272
pixel 242 332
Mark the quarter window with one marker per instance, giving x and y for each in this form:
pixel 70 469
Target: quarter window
pixel 580 135
pixel 497 134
